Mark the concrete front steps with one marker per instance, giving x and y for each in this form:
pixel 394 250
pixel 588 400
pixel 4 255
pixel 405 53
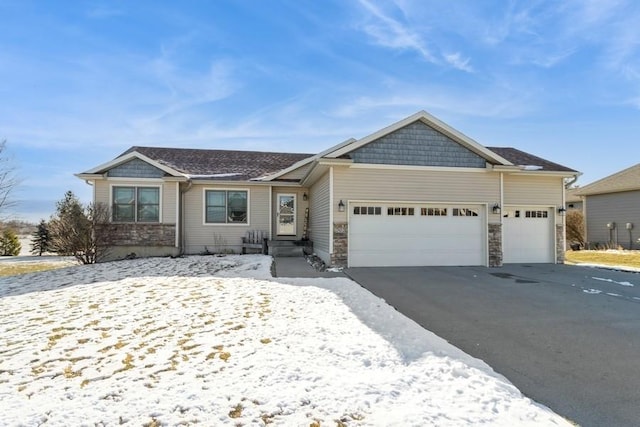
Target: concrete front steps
pixel 289 248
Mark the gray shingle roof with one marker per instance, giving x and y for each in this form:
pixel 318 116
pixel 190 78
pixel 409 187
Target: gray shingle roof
pixel 521 158
pixel 220 164
pixel 625 180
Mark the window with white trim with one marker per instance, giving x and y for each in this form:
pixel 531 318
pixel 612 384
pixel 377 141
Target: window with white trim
pixel 400 211
pixel 465 211
pixel 226 207
pixel 136 204
pixel 367 210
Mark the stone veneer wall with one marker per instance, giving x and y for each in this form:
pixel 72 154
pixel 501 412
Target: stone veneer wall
pixel 142 234
pixel 495 245
pixel 340 255
pixel 560 243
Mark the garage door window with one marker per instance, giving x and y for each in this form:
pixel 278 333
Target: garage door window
pixel 398 211
pixel 433 211
pixel 367 210
pixel 465 212
pixel 536 214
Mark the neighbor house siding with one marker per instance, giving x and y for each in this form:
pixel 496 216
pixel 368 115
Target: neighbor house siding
pixel 533 190
pixel 168 214
pixel 200 238
pixel 414 186
pixel 619 208
pixel 319 217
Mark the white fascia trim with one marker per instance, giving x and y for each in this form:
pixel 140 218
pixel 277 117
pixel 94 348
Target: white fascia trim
pixel 127 157
pixel 132 179
pixel 417 168
pixel 543 173
pixel 431 121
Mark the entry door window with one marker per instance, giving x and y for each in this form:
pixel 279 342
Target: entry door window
pixel 286 214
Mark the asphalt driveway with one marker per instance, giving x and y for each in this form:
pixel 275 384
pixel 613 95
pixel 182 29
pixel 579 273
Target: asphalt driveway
pixel 566 336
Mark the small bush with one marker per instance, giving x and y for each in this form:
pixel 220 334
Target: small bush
pixel 9 243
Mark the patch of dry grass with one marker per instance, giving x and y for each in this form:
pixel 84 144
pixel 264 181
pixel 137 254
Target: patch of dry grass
pixel 13 269
pixel 613 258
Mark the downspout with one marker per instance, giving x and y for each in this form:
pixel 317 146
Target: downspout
pixel 569 183
pixel 180 226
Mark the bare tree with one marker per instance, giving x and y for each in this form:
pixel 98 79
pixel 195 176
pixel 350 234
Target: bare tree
pixel 81 232
pixel 8 180
pixel 575 228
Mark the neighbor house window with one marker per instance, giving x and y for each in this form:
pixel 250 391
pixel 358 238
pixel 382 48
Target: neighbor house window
pixel 226 207
pixel 136 204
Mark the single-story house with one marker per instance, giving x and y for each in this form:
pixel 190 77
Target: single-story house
pixel 611 208
pixel 573 201
pixel 415 193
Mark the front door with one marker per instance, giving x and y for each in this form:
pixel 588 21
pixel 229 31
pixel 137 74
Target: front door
pixel 286 213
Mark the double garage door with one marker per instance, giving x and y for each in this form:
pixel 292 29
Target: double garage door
pixel 396 234
pixel 400 234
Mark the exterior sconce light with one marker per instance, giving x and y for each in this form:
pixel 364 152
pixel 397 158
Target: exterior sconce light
pixel 340 206
pixel 305 197
pixel 611 225
pixel 496 209
pixel 562 211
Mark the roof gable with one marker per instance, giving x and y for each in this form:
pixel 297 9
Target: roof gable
pixel 625 180
pixel 417 144
pixel 431 122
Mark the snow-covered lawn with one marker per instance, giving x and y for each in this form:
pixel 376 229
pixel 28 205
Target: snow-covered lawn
pixel 217 341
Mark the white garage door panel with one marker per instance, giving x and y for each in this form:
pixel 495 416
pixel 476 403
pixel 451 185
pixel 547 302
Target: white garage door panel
pixel 528 240
pixel 383 240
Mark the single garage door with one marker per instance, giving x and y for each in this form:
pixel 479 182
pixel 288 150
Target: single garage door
pixel 528 235
pixel 400 234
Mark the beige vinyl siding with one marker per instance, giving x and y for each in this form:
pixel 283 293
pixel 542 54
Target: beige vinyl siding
pixel 621 208
pixel 199 237
pixel 319 217
pixel 414 186
pixel 301 206
pixel 297 174
pixel 531 190
pixel 102 194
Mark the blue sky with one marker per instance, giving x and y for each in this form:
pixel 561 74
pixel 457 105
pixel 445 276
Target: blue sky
pixel 82 81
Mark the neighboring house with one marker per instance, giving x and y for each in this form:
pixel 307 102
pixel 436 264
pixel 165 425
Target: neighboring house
pixel 573 201
pixel 611 208
pixel 417 193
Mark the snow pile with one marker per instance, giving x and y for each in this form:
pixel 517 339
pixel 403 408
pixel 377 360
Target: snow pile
pixel 212 340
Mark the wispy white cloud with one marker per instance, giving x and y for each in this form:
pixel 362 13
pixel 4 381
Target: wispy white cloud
pixel 390 32
pixel 399 33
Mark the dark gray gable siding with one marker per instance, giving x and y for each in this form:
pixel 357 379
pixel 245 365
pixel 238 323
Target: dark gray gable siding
pixel 417 145
pixel 135 168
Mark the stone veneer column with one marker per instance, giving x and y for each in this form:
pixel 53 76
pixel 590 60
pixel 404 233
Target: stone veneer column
pixel 340 255
pixel 495 245
pixel 560 248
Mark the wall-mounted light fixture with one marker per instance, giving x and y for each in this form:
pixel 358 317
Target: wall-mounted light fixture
pixel 340 206
pixel 305 197
pixel 562 211
pixel 496 209
pixel 611 225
